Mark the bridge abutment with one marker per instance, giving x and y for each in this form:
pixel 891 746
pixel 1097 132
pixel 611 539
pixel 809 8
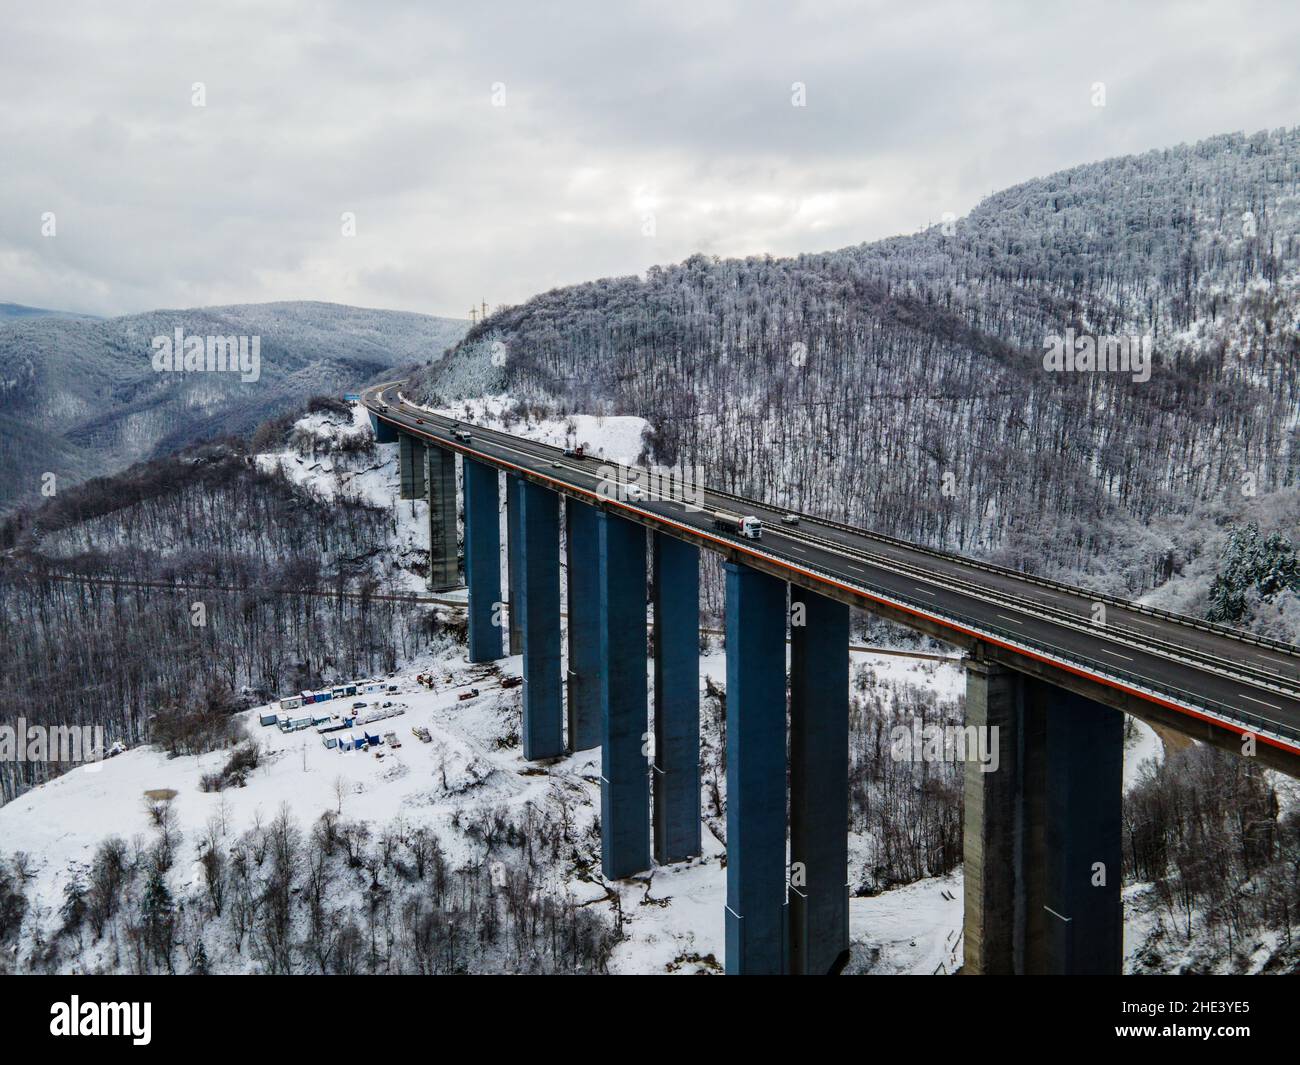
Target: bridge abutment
pixel 756 809
pixel 625 777
pixel 538 598
pixel 583 684
pixel 819 782
pixel 677 699
pixel 483 559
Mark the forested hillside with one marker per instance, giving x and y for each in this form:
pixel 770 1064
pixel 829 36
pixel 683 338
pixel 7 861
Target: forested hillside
pixel 156 602
pixel 901 384
pixel 81 397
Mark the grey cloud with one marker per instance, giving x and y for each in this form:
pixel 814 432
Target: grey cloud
pixel 614 113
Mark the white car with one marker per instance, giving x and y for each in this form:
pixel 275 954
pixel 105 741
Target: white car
pixel 635 491
pixel 791 519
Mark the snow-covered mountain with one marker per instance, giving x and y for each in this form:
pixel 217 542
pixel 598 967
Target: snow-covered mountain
pixel 10 311
pixel 82 397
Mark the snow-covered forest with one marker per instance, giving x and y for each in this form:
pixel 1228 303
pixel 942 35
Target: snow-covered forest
pixel 79 397
pixel 207 576
pixel 900 384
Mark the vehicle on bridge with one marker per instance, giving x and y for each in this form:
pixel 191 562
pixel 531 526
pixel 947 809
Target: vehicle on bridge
pixel 747 526
pixel 462 435
pixel 574 452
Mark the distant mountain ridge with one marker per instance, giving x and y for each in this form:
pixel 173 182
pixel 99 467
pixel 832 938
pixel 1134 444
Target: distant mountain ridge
pixel 10 311
pixel 80 397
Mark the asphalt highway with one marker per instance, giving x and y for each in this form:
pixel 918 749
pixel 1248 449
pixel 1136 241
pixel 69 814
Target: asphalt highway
pixel 1239 680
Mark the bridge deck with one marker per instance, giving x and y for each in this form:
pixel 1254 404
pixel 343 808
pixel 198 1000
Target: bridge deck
pixel 1203 680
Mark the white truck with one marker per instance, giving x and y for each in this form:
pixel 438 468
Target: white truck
pixel 747 526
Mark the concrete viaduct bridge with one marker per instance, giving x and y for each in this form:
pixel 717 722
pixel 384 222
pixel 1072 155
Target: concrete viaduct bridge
pixel 1049 664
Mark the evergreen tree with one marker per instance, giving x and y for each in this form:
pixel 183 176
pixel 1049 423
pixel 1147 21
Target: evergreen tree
pixel 157 912
pixel 1269 567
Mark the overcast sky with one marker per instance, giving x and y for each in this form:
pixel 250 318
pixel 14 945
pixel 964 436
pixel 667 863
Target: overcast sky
pixel 631 134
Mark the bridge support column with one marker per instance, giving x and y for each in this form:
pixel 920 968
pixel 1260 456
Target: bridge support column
pixel 677 699
pixel 584 625
pixel 819 783
pixel 625 774
pixel 538 596
pixel 993 831
pixel 513 535
pixel 483 560
pixel 1042 832
pixel 444 561
pixel 1083 817
pixel 756 814
pixel 410 466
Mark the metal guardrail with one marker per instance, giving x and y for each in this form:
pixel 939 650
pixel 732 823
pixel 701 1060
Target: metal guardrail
pixel 1117 631
pixel 1192 701
pixel 1045 582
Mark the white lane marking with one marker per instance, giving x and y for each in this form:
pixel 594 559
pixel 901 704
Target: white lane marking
pixel 857 569
pixel 795 547
pixel 1012 620
pixel 922 590
pixel 1261 702
pixel 1117 655
pixel 1148 624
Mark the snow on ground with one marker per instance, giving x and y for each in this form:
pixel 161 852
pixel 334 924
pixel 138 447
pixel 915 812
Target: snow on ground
pixel 913 930
pixel 615 437
pixel 61 823
pixel 673 916
pixel 1142 746
pixel 373 479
